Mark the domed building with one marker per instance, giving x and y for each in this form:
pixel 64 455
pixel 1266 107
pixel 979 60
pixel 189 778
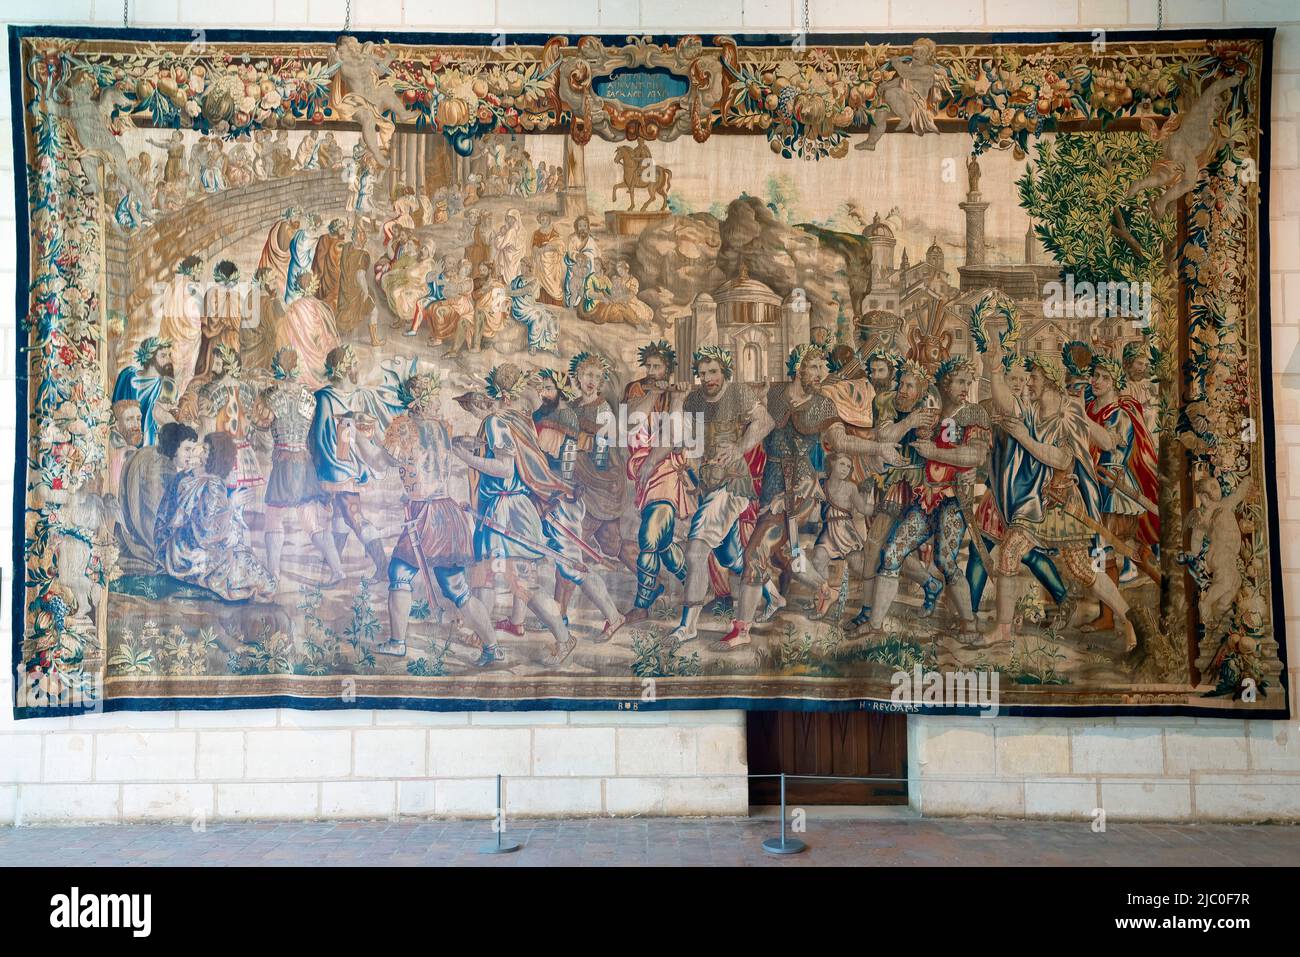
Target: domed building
pixel 911 289
pixel 750 319
pixel 882 242
pixel 934 255
pixel 743 300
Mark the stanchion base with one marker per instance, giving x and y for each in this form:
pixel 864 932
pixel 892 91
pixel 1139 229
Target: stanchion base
pixel 505 847
pixel 791 845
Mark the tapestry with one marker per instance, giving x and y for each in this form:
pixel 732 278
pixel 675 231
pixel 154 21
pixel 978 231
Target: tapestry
pixel 466 372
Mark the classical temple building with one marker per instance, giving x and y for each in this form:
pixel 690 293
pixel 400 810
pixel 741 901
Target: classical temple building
pixel 749 318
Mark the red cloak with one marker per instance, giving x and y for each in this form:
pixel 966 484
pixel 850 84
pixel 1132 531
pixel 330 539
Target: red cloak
pixel 1142 459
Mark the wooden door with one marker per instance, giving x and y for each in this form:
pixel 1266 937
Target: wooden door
pixel 856 743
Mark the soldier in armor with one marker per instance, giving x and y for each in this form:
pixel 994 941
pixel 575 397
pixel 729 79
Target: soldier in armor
pixel 557 422
pixel 285 409
pixel 900 415
pixel 735 421
pixel 436 543
pixel 951 450
pixel 804 420
pixel 665 494
pixel 557 434
pixel 226 402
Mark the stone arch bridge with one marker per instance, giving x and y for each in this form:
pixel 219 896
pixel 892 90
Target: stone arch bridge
pixel 137 260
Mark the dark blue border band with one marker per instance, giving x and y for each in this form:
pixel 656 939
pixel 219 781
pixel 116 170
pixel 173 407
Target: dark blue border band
pixel 366 702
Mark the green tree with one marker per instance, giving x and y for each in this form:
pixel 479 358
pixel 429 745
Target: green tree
pixel 1076 191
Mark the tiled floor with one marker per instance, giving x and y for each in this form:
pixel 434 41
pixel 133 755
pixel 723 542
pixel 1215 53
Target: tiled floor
pixel 656 841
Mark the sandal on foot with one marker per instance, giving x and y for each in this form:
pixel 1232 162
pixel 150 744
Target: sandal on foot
pixel 826 597
pixel 489 656
pixel 739 641
pixel 558 657
pixel 932 589
pixel 609 631
pixel 737 637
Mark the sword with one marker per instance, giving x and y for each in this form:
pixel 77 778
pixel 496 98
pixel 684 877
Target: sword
pixel 798 560
pixel 1121 484
pixel 1120 548
pixel 539 547
pixel 976 534
pixel 573 537
pixel 844 593
pixel 410 525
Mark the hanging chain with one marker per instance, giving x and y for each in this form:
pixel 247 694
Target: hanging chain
pixel 1160 14
pixel 124 4
pixel 805 18
pixel 347 21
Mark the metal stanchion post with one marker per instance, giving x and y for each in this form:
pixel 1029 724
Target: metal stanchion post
pixel 783 845
pixel 499 825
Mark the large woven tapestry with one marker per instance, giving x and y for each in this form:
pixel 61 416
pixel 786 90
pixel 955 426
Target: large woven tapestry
pixel 474 372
